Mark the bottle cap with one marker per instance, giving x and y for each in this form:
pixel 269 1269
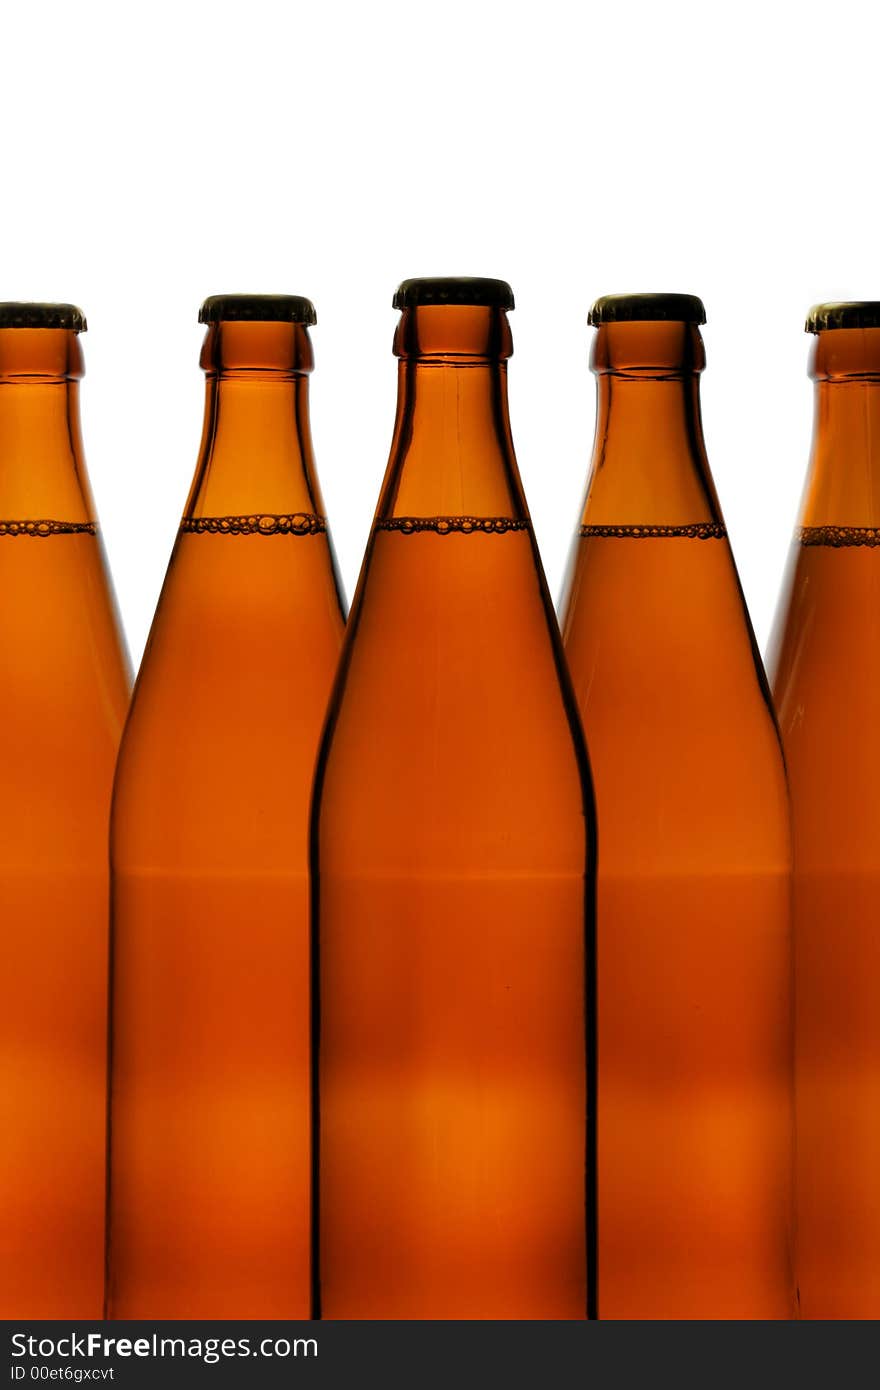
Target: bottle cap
pixel 453 289
pixel 647 308
pixel 15 314
pixel 855 313
pixel 258 308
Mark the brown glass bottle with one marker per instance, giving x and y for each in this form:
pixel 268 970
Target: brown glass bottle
pixel 693 935
pixel 64 683
pixel 209 1203
pixel 452 872
pixel 824 664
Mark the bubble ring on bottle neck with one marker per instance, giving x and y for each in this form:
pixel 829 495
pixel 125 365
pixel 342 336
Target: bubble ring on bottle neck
pixel 838 537
pixel 257 524
pixel 697 531
pixel 447 525
pixel 42 528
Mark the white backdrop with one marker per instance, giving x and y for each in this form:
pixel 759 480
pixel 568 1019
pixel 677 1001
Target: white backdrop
pixel 152 155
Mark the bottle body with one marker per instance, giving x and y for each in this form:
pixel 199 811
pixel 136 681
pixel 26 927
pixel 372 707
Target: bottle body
pixel 63 695
pixel 210 1136
pixel 452 869
pixel 825 668
pixel 693 935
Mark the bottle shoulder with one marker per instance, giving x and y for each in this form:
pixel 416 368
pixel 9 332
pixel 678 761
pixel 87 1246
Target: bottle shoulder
pixel 219 749
pixel 63 699
pixel 675 705
pixel 826 679
pixel 450 730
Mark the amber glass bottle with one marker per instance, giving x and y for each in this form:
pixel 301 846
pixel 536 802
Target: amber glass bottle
pixel 825 668
pixel 452 871
pixel 694 965
pixel 209 1204
pixel 64 685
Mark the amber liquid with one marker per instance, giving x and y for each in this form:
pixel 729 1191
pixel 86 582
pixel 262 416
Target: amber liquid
pixel 210 1138
pixel 450 856
pixel 63 695
pixel 694 963
pixel 826 667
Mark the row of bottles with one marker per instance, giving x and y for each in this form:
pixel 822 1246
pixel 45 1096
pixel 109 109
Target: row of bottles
pixel 391 1036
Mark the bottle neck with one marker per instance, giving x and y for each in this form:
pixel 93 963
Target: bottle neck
pixel 452 454
pixel 256 467
pixel 843 483
pixel 649 464
pixel 42 467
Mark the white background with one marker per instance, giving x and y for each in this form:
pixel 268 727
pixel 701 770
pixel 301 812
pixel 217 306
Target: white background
pixel 154 154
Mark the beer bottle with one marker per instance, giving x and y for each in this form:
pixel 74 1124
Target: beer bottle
pixel 452 855
pixel 825 667
pixel 695 1069
pixel 209 1202
pixel 64 684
